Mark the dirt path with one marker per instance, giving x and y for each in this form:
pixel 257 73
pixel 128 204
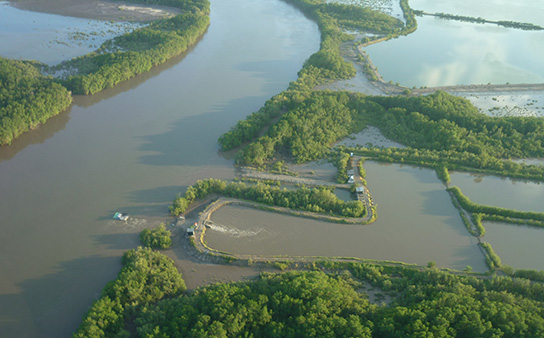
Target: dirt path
pixel 251 173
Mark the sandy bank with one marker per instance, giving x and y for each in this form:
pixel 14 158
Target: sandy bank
pixel 97 9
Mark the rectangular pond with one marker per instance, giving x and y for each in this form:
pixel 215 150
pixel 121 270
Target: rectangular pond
pixel 500 192
pixel 518 246
pixel 445 52
pixel 417 223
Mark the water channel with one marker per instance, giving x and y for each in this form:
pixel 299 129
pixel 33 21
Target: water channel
pixel 131 149
pixel 417 223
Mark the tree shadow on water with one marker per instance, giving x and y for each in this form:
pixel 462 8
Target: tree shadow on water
pixel 192 140
pixel 54 305
pixel 122 241
pixel 276 72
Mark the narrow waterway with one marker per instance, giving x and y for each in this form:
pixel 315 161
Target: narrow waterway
pixel 131 149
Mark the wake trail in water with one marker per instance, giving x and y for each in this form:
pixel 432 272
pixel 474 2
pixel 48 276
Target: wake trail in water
pixel 233 232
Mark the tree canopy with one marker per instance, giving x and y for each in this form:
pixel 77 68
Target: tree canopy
pixel 27 98
pixel 427 303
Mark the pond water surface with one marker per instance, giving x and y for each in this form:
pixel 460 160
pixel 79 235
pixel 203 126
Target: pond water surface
pixel 518 246
pixel 445 52
pixel 417 223
pixel 520 11
pixel 500 191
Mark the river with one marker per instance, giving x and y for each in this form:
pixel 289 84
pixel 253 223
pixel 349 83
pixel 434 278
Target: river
pixel 131 149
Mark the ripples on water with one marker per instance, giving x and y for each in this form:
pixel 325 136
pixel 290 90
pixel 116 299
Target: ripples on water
pixel 232 231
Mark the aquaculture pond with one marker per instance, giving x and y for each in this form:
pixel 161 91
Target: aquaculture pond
pixel 521 11
pixel 518 246
pixel 417 223
pixel 445 52
pixel 500 191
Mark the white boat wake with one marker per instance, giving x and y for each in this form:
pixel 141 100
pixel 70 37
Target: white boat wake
pixel 233 232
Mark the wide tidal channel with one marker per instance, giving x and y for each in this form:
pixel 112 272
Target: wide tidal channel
pixel 131 149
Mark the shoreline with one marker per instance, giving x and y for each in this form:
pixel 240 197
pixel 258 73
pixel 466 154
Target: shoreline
pixel 97 9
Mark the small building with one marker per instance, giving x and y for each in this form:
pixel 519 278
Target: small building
pixel 190 231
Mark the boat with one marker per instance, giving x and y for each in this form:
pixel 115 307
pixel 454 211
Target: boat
pixel 120 216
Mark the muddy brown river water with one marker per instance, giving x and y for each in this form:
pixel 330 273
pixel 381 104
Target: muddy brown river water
pixel 131 149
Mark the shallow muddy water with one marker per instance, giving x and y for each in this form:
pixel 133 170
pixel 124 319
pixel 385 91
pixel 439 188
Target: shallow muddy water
pixel 131 149
pixel 417 223
pixel 50 38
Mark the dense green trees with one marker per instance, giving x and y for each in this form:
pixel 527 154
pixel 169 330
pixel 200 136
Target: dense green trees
pixel 444 122
pixel 136 52
pixel 158 238
pixel 319 199
pixel 146 277
pixel 308 129
pixel 292 304
pixel 439 129
pixel 27 98
pixel 428 303
pixel 325 65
